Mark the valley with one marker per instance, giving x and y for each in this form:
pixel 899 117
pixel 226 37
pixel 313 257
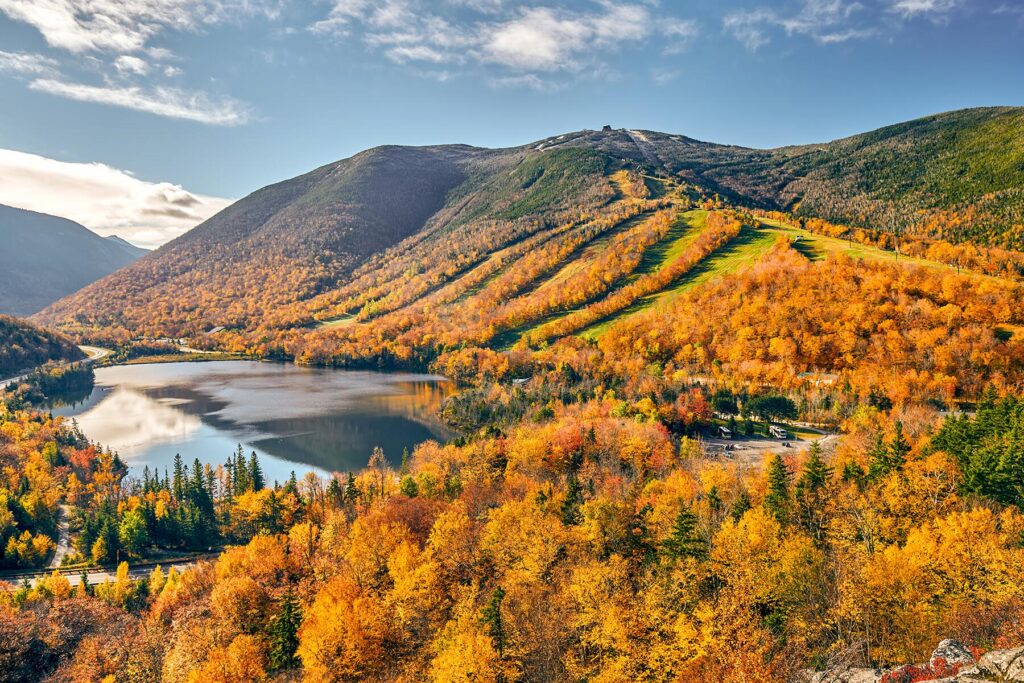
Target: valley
pixel 613 405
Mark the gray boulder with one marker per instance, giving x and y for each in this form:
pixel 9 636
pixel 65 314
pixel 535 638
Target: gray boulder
pixel 1003 665
pixel 952 653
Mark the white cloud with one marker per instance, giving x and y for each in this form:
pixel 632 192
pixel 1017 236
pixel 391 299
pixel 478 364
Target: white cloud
pixel 825 21
pixel 909 9
pixel 125 29
pixel 529 81
pixel 104 199
pixel 517 40
pixel 421 53
pixel 539 39
pixel 680 33
pixel 26 64
pixel 124 26
pixel 749 27
pixel 162 101
pixel 664 76
pixel 128 64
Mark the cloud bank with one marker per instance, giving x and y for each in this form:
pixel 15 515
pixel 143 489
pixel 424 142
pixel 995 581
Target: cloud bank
pixel 104 199
pixel 535 46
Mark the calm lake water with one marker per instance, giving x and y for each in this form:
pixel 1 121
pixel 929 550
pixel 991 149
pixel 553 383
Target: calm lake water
pixel 295 418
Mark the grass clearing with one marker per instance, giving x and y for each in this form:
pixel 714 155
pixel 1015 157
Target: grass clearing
pixel 741 252
pixel 343 321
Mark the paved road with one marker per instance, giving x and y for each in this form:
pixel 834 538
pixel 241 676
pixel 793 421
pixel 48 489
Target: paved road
pixel 74 576
pixel 63 537
pixel 92 354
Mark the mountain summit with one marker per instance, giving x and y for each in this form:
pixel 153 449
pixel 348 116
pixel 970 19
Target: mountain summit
pixel 267 260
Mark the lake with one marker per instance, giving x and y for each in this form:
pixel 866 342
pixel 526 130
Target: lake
pixel 295 418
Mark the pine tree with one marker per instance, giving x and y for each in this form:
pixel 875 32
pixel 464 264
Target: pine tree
pixel 816 472
pixel 777 501
pixel 740 506
pixel 878 459
pixel 571 505
pixel 335 494
pixel 854 473
pixel 270 515
pixel 243 482
pixel 179 478
pixel 811 491
pixel 899 447
pixel 352 491
pixel 284 633
pixel 256 473
pixel 685 539
pixel 491 619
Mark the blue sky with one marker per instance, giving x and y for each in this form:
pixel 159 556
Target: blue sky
pixel 166 109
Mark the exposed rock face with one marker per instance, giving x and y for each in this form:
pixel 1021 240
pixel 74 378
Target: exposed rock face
pixel 951 653
pixel 1002 665
pixel 951 662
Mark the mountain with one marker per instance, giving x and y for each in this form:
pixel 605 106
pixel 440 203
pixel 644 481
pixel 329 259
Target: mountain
pixel 126 246
pixel 24 346
pixel 399 227
pixel 44 258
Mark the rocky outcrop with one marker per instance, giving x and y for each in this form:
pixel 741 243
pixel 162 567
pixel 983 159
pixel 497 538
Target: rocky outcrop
pixel 1002 665
pixel 952 662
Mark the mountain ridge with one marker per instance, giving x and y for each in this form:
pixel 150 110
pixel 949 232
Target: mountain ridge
pixel 268 256
pixel 47 257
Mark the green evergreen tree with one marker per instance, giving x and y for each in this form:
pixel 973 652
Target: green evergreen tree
pixel 335 493
pixel 179 478
pixel 256 473
pixel 573 499
pixel 740 506
pixel 899 447
pixel 685 539
pixel 352 491
pixel 777 500
pixel 811 492
pixel 854 473
pixel 492 621
pixel 292 485
pixel 878 459
pixel 284 633
pixel 242 480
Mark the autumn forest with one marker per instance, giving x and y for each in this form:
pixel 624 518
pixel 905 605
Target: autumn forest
pixel 716 414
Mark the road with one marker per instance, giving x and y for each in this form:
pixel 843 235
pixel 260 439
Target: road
pixel 63 537
pixel 101 575
pixel 92 354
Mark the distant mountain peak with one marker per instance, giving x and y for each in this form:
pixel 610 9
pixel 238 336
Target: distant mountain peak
pixel 44 258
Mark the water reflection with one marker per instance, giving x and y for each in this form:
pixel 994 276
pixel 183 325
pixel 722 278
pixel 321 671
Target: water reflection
pixel 130 421
pixel 295 418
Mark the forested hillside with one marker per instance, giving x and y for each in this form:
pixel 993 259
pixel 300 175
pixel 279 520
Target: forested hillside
pixel 319 246
pixel 24 346
pixel 45 258
pixel 957 176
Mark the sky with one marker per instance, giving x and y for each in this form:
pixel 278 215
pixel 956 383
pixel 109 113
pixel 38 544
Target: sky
pixel 144 117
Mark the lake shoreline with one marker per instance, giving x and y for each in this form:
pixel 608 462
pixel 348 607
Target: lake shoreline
pixel 305 418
